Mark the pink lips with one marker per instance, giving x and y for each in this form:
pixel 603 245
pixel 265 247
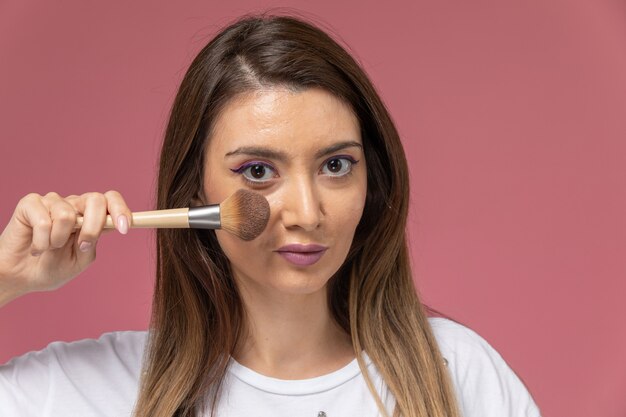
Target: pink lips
pixel 302 255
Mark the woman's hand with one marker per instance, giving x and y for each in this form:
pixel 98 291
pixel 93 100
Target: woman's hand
pixel 40 250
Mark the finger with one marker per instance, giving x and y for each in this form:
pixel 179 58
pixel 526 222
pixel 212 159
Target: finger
pixel 119 211
pixel 63 217
pixel 32 212
pixel 94 217
pixel 85 255
pixel 116 207
pixel 78 202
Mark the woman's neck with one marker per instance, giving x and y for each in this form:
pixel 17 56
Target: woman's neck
pixel 291 336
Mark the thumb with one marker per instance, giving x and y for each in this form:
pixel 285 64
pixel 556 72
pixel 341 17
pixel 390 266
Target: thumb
pixel 85 252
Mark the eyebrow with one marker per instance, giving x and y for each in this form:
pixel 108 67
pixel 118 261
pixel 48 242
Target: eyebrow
pixel 269 153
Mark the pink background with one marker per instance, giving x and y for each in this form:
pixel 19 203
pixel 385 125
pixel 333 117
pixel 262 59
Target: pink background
pixel 514 119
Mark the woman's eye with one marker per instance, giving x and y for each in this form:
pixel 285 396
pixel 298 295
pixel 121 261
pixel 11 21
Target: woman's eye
pixel 337 167
pixel 256 172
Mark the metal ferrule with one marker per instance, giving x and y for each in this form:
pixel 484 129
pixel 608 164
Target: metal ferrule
pixel 206 217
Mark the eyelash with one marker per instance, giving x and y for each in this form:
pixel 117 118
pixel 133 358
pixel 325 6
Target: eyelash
pixel 250 164
pixel 253 183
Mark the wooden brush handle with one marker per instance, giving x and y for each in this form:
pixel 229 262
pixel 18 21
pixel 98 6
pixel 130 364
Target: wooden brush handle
pixel 158 219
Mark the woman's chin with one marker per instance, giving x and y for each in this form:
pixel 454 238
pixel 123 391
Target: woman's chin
pixel 298 286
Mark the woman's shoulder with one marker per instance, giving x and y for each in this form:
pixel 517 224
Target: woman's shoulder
pixel 65 377
pixel 465 351
pixel 455 338
pixel 484 382
pixel 124 346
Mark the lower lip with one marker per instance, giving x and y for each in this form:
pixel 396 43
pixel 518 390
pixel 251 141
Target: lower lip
pixel 302 258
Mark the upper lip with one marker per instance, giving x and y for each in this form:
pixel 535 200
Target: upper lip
pixel 296 247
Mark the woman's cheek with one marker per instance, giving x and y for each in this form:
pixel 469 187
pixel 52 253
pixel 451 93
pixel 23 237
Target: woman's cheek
pixel 276 202
pixel 348 206
pixel 234 248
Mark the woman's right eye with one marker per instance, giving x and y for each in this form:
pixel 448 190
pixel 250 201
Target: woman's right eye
pixel 256 172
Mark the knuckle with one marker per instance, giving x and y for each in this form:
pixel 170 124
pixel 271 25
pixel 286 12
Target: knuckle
pixel 66 215
pixel 43 223
pixel 112 194
pixel 52 195
pixel 30 197
pixel 73 201
pixel 116 202
pixel 96 198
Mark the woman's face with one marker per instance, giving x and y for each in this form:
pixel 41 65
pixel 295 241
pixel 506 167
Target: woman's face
pixel 303 152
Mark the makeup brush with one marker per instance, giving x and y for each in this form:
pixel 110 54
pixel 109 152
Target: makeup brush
pixel 244 214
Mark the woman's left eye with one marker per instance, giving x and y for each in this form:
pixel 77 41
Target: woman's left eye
pixel 338 166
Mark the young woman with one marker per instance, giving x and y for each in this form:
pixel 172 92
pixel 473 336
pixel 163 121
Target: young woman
pixel 318 316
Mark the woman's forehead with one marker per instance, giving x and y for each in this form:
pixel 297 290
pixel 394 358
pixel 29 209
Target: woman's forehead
pixel 284 119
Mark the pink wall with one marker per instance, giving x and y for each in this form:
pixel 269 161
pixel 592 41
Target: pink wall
pixel 513 117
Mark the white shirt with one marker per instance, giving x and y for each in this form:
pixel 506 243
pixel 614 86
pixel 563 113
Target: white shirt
pixel 100 378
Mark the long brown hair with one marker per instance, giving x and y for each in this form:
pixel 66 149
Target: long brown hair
pixel 197 313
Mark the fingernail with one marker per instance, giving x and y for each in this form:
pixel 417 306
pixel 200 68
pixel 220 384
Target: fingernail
pixel 35 253
pixel 122 224
pixel 85 246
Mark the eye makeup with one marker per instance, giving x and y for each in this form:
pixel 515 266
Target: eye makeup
pixel 255 172
pixel 339 166
pixel 258 173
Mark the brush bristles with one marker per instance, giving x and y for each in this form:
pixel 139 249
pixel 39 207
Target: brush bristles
pixel 245 214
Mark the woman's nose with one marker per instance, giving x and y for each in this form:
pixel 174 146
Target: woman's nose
pixel 302 206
